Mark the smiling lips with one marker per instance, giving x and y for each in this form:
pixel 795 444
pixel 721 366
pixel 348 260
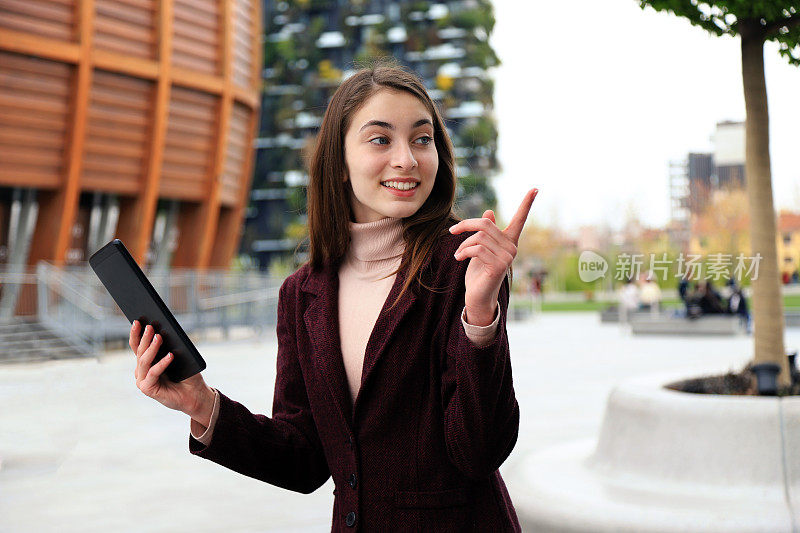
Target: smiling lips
pixel 400 185
pixel 403 187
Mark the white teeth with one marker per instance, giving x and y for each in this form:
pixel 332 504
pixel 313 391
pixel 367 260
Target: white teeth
pixel 400 185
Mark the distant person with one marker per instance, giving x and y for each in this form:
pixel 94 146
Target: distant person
pixel 786 277
pixel 737 305
pixel 693 297
pixel 536 284
pixel 649 294
pixel 629 297
pixel 683 288
pixel 795 277
pixel 685 291
pixel 535 290
pixel 709 299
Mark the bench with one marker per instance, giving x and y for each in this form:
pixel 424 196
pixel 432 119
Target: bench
pixel 705 325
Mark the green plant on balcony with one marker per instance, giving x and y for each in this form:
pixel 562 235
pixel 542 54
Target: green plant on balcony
pixel 296 231
pixel 308 5
pixel 486 93
pixel 474 185
pixel 481 133
pixel 284 115
pixel 480 54
pixel 278 53
pixel 382 28
pixel 368 53
pixel 411 7
pixel 470 19
pixel 296 199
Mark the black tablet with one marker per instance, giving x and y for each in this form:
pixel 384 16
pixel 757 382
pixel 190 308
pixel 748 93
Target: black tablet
pixel 138 300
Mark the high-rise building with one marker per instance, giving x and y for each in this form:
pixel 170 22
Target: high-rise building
pixel 729 155
pixel 311 46
pixel 126 119
pixel 694 180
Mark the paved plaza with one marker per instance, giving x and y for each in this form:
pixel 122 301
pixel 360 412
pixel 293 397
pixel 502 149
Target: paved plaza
pixel 83 450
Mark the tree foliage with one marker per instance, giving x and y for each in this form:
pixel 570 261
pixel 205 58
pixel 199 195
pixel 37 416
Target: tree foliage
pixel 779 20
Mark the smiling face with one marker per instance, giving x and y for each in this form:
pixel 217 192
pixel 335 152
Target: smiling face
pixel 390 156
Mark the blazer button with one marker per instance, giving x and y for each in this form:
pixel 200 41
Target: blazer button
pixel 353 480
pixel 350 520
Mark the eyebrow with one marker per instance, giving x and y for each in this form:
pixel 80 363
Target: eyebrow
pixel 388 126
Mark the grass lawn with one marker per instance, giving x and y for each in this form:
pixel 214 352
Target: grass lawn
pixel 788 302
pixel 791 301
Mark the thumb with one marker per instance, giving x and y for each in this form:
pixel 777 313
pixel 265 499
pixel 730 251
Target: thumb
pixel 489 214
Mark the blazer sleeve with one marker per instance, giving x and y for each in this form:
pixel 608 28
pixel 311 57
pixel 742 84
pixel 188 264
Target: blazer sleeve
pixel 284 450
pixel 481 414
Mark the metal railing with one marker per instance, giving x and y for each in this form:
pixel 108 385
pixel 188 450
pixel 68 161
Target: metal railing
pixel 17 294
pixel 72 302
pixel 67 308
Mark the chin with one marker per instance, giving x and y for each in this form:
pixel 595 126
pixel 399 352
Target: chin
pixel 402 211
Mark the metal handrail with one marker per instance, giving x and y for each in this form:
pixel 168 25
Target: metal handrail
pixel 72 301
pixel 227 300
pixel 73 295
pixel 17 277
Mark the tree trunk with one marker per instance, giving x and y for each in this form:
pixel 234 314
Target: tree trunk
pixel 767 298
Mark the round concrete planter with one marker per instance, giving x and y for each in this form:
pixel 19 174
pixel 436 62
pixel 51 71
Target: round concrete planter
pixel 669 461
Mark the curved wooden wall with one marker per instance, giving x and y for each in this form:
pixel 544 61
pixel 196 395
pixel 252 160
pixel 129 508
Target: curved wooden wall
pixel 146 99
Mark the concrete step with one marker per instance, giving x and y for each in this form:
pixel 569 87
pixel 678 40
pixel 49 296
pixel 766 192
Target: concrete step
pixel 30 341
pixel 35 344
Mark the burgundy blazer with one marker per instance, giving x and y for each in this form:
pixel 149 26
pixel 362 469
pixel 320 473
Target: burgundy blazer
pixel 434 419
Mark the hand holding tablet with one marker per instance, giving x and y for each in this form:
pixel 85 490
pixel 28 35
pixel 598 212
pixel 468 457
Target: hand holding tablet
pixel 191 396
pixel 163 347
pixel 138 300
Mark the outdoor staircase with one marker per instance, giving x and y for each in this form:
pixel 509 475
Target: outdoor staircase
pixel 26 341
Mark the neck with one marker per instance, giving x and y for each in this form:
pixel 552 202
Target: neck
pixel 377 240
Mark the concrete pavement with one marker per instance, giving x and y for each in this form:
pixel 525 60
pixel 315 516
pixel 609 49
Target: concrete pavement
pixel 83 450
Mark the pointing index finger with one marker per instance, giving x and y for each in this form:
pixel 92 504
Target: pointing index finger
pixel 514 229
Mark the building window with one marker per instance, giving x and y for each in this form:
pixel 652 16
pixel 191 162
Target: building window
pixel 787 238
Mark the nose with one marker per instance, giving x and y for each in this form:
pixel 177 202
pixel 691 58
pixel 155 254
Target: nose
pixel 403 158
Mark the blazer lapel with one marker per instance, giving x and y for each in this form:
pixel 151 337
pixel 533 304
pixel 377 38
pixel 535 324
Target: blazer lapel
pixel 384 330
pixel 322 323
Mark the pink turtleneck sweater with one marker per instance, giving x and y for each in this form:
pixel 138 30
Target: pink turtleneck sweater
pixel 365 278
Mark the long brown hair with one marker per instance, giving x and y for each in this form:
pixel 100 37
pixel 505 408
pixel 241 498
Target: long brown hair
pixel 328 195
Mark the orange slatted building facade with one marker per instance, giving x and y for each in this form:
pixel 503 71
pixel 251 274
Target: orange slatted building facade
pixel 127 118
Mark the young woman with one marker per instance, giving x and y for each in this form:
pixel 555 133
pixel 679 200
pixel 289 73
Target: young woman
pixel 393 367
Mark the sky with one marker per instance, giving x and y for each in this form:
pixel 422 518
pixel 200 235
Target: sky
pixel 594 101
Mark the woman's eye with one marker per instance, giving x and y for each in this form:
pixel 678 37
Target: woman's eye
pixel 425 140
pixel 380 140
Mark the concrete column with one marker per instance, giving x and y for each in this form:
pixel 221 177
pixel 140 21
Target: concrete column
pixel 92 240
pixel 164 236
pixel 108 223
pixel 102 222
pixel 24 211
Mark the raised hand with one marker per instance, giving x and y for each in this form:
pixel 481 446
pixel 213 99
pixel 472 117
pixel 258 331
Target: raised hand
pixel 491 252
